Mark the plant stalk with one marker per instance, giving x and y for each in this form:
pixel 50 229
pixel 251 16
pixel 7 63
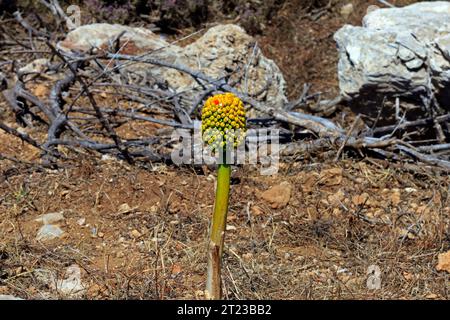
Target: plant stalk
pixel 217 234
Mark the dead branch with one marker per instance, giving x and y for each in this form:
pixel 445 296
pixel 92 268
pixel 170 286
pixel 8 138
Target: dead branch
pixel 93 127
pixel 23 136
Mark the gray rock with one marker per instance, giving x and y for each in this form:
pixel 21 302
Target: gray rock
pixel 223 51
pixel 9 297
pixel 50 217
pixel 49 232
pixel 36 66
pixel 347 10
pixel 229 47
pixel 103 35
pixel 398 52
pixel 69 284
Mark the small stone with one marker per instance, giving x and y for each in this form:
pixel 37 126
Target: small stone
pixel 336 198
pixel 176 269
pixel 9 297
pixel 36 66
pixel 360 200
pixel 22 130
pixel 444 262
pixel 49 232
pixel 94 290
pixel 81 221
pixel 331 177
pixel 257 211
pixel 50 217
pixel 230 228
pixel 125 208
pixel 136 234
pixel 199 294
pixel 347 10
pixel 405 233
pixel 107 157
pixel 71 285
pixel 278 196
pixel 247 256
pixel 100 234
pixel 395 197
pixel 343 270
pixel 408 276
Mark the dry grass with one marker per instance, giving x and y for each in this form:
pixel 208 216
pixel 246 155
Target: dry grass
pixel 340 220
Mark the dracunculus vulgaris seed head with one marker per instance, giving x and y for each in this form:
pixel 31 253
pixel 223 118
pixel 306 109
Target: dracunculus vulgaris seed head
pixel 223 121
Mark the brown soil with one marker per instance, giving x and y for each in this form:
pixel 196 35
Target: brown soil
pixel 341 219
pixel 143 228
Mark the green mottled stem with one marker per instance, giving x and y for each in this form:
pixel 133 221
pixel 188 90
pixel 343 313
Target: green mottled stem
pixel 217 235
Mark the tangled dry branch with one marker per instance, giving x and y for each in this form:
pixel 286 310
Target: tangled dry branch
pixel 79 122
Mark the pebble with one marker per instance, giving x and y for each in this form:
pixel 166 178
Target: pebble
pixel 278 196
pixel 9 297
pixel 107 157
pixel 50 217
pixel 125 208
pixel 71 285
pixel 49 232
pixel 347 10
pixel 135 234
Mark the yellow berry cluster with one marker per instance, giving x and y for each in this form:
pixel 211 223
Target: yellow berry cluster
pixel 223 121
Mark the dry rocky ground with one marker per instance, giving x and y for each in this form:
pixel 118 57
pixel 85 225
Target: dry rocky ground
pixel 141 232
pixel 314 231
